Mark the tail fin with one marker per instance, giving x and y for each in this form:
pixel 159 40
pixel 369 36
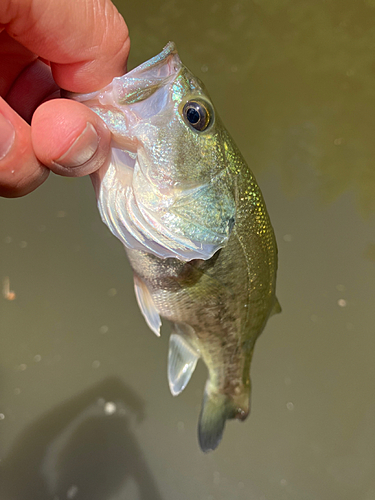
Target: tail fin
pixel 212 420
pixel 216 410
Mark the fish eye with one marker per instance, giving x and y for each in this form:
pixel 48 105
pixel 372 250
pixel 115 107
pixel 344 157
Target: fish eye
pixel 197 115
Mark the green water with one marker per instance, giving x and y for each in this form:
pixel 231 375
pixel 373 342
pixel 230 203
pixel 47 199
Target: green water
pixel 85 409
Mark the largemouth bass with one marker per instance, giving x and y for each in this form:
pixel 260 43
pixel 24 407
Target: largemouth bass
pixel 180 197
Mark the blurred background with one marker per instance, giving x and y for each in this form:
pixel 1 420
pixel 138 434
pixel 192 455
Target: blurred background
pixel 85 408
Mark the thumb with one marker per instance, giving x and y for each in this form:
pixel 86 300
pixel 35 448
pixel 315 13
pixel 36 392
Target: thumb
pixel 69 138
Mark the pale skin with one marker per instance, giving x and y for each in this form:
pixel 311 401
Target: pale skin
pixel 46 45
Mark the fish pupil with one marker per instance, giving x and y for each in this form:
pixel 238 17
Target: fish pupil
pixel 192 115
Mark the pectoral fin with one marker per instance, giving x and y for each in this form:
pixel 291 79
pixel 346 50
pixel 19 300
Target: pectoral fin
pixel 182 360
pixel 147 306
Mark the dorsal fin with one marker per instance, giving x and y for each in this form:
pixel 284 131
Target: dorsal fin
pixel 182 360
pixel 276 307
pixel 147 306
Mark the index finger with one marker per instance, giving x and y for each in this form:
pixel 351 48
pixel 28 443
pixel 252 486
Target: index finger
pixel 87 42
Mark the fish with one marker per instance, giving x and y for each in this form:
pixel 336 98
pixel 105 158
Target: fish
pixel 178 194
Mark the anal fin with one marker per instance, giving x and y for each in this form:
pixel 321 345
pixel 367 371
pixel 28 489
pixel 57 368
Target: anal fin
pixel 147 306
pixel 182 360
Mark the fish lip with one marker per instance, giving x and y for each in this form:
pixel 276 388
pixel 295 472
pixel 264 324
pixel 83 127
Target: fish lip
pixel 168 57
pixel 169 51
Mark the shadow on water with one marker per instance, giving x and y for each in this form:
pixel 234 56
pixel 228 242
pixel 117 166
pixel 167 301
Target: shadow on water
pixel 82 449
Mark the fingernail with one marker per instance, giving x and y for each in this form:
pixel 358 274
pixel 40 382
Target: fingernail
pixel 7 135
pixel 82 149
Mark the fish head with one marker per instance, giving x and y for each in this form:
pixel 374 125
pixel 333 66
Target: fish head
pixel 168 189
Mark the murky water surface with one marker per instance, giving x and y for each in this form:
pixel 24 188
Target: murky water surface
pixel 85 409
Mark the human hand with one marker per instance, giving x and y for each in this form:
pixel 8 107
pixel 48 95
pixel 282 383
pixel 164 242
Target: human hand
pixel 76 45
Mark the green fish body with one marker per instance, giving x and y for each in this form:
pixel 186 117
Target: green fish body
pixel 187 208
